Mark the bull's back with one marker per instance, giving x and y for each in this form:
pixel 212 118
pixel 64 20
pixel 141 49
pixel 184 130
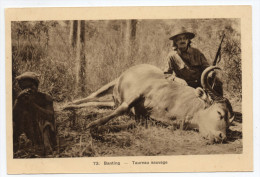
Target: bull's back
pixel 136 80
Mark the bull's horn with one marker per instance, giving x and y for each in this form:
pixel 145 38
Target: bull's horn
pixel 204 79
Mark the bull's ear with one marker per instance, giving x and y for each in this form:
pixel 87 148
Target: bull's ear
pixel 200 93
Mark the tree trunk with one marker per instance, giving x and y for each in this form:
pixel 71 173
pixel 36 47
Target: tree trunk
pixel 81 59
pixel 133 29
pixel 127 39
pixel 73 32
pixel 130 35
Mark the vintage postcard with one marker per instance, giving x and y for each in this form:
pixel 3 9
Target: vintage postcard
pixel 129 89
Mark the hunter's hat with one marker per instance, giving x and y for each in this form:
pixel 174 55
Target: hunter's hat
pixel 183 30
pixel 28 75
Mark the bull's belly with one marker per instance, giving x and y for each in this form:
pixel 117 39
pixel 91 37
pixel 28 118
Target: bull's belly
pixel 142 110
pixel 157 109
pixel 168 105
pixel 147 85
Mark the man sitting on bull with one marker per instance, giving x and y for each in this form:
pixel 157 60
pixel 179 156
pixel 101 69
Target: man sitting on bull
pixel 33 115
pixel 185 64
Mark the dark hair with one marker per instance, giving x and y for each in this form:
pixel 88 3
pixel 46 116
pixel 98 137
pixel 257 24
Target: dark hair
pixel 175 45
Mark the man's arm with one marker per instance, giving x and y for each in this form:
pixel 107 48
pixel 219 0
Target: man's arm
pixel 48 110
pixel 168 69
pixel 175 62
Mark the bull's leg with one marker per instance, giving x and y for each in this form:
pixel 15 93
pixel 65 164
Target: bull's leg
pixel 141 115
pixel 90 104
pixel 124 107
pixel 141 119
pixel 120 110
pixel 99 93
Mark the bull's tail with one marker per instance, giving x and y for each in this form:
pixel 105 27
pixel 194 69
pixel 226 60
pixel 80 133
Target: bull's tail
pixel 108 88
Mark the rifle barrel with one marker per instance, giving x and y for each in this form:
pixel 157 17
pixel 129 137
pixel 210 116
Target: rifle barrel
pixel 218 52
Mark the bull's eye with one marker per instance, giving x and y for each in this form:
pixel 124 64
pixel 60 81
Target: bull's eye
pixel 220 115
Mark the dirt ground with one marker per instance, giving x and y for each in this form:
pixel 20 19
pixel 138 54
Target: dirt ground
pixel 153 140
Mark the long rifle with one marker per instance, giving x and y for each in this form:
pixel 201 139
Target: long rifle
pixel 217 58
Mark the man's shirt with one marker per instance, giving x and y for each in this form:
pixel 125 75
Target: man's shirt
pixel 187 65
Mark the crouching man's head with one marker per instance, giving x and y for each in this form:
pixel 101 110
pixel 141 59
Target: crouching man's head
pixel 28 80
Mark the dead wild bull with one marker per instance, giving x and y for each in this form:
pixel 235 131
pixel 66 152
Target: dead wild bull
pixel 145 89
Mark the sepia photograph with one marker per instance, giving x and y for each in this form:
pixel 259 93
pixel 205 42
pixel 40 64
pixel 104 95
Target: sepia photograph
pixel 126 87
pixel 132 87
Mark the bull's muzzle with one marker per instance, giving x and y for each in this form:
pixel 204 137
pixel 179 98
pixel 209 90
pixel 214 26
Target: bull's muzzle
pixel 220 138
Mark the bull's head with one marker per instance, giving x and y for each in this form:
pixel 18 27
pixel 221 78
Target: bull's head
pixel 215 118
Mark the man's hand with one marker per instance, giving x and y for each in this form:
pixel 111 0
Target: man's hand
pixel 25 96
pixel 180 81
pixel 172 77
pixel 169 76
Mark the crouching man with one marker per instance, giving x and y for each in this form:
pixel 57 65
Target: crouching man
pixel 33 115
pixel 185 64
